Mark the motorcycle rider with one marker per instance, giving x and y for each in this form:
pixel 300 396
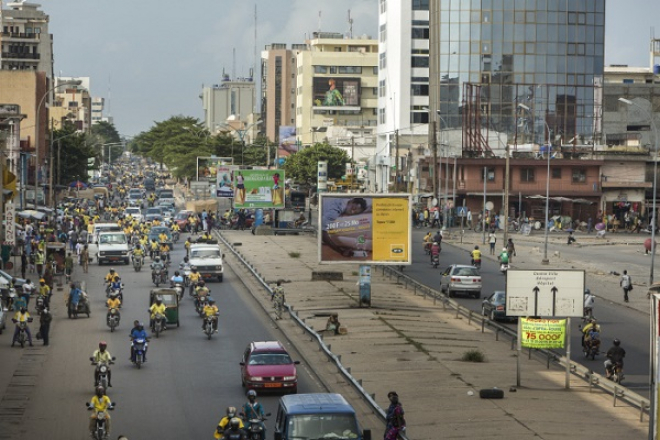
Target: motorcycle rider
pixel 589 301
pixel 44 291
pixel 234 431
pixel 74 298
pixel 252 410
pixel 201 292
pixel 113 303
pixel 157 308
pixel 615 356
pixel 22 316
pixel 100 403
pixel 176 279
pixel 115 286
pixel 211 311
pixel 138 332
pixel 224 422
pixel 138 253
pixel 504 257
pixel 435 251
pixel 591 326
pixel 102 355
pixel 428 240
pixel 476 255
pixel 157 267
pixel 110 276
pixel 195 277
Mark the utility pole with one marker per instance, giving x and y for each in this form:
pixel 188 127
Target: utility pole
pixel 435 160
pixel 507 171
pixel 397 187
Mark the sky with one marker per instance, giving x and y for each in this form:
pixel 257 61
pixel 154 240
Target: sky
pixel 151 58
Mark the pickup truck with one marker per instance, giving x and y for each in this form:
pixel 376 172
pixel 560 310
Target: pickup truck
pixel 208 260
pixel 113 248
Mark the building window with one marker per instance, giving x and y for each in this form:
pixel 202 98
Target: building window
pixel 420 33
pixel 420 5
pixel 382 85
pixel 350 69
pixel 490 175
pixel 383 6
pixel 320 69
pixel 419 89
pixel 579 175
pixel 527 174
pixel 556 173
pixel 383 33
pixel 419 62
pixel 383 60
pixel 419 118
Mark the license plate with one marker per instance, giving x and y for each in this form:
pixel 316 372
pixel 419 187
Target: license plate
pixel 272 385
pixel 114 258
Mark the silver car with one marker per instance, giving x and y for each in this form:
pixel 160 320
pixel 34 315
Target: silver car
pixel 459 278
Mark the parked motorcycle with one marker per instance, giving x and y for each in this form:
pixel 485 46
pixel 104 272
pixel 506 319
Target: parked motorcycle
pixel 100 429
pixel 113 319
pixel 159 324
pixel 102 370
pixel 139 349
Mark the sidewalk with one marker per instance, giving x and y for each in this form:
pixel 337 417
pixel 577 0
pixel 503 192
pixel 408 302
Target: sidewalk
pixel 407 344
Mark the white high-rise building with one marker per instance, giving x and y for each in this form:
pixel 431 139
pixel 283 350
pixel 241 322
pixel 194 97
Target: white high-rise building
pixel 403 89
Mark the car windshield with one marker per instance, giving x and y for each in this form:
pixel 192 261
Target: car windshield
pixel 182 216
pixel 112 239
pixel 205 253
pixel 466 272
pixel 270 359
pixel 153 211
pixel 499 297
pixel 169 194
pixel 322 426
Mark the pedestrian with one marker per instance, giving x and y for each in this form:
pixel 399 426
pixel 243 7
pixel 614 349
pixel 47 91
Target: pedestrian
pixel 44 328
pixel 589 225
pixel 469 218
pixel 278 300
pixel 492 239
pixel 24 264
pixel 396 423
pixel 510 249
pixel 626 284
pixel 39 262
pixel 436 219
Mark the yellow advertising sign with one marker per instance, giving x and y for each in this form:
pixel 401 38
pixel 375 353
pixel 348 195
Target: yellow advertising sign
pixel 542 333
pixel 390 240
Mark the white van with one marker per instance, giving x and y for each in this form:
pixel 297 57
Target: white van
pixel 208 260
pixel 113 248
pixel 102 227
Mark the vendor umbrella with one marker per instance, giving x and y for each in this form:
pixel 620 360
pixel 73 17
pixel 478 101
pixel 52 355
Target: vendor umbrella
pixel 78 184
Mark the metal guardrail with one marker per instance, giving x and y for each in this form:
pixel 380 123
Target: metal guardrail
pixel 594 379
pixel 346 372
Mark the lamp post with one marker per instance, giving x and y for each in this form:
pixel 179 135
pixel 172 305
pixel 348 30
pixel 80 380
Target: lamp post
pixel 51 191
pixel 38 130
pixel 547 189
pixel 655 180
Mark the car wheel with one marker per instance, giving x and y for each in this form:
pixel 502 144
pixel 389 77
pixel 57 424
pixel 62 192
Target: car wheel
pixel 220 278
pixel 450 294
pixel 476 295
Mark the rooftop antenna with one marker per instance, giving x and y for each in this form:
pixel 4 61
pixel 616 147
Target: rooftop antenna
pixel 350 25
pixel 254 67
pixel 320 13
pixel 109 96
pixel 233 64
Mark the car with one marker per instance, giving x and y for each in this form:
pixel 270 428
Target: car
pixel 157 230
pixel 460 278
pixel 267 366
pixel 135 199
pixel 494 306
pixel 208 260
pixel 181 219
pixel 135 212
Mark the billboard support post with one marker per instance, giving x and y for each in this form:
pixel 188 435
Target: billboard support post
pixel 365 285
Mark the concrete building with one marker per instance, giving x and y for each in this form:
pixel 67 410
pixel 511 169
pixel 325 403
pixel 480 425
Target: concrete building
pixel 98 105
pixel 73 104
pixel 278 88
pixel 337 86
pixel 25 43
pixel 232 99
pixel 10 135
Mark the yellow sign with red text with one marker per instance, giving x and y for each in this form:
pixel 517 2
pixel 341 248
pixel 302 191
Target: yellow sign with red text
pixel 543 333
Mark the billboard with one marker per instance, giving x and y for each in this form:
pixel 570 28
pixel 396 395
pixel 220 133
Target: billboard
pixel 545 293
pixel 336 93
pixel 225 184
pixel 207 167
pixel 287 144
pixel 259 188
pixel 366 229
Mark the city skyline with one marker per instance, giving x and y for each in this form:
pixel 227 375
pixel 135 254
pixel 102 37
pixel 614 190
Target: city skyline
pixel 149 73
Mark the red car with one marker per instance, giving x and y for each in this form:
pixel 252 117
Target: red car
pixel 267 366
pixel 181 219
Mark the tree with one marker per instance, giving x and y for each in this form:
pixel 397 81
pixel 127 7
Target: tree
pixel 73 150
pixel 303 165
pixel 106 133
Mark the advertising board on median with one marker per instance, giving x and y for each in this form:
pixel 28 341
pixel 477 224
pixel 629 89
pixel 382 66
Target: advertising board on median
pixel 259 189
pixel 365 228
pixel 544 292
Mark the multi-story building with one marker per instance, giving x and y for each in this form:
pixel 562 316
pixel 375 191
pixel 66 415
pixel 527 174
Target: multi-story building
pixel 231 100
pixel 72 103
pixel 25 43
pixel 278 90
pixel 98 105
pixel 337 86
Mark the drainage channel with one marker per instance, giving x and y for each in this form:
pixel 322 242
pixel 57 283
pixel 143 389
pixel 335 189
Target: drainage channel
pixel 19 391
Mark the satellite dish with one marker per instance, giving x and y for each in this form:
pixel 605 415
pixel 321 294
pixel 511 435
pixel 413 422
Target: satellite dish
pixel 489 206
pixel 434 202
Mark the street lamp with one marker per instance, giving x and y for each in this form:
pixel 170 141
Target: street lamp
pixel 655 180
pixel 547 188
pixel 50 173
pixel 38 130
pixel 241 136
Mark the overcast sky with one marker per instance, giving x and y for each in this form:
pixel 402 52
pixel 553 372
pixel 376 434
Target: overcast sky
pixel 155 55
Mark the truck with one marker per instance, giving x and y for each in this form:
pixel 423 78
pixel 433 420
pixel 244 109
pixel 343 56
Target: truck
pixel 113 248
pixel 208 260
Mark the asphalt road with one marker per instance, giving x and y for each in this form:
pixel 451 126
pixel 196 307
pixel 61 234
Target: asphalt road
pixel 183 389
pixel 631 326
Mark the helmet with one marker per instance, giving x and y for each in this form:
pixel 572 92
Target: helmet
pixel 140 326
pixel 193 268
pixel 616 342
pixel 42 280
pixel 100 390
pixel 201 283
pixel 252 393
pixel 112 270
pixel 231 411
pixel 211 301
pixel 476 248
pixel 157 258
pixel 587 292
pixel 103 345
pixel 159 299
pixel 235 423
pixel 504 250
pixel 176 273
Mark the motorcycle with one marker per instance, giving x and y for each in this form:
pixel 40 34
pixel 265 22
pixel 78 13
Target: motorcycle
pixel 208 326
pixel 175 236
pixel 435 260
pixel 159 324
pixel 255 429
pixel 82 308
pixel 102 369
pixel 590 349
pixel 427 248
pixel 113 319
pixel 119 292
pixel 504 267
pixel 21 338
pixel 178 287
pixel 617 372
pixel 476 263
pixel 137 264
pixel 139 348
pixel 159 277
pixel 100 431
pixel 200 302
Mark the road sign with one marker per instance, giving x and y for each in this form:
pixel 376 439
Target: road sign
pixel 549 293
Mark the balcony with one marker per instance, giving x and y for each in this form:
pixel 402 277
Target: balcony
pixel 20 36
pixel 20 56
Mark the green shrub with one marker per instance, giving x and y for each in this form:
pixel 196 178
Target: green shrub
pixel 294 254
pixel 473 356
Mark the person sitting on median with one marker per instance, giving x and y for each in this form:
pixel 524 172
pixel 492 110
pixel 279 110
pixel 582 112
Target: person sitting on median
pixel 298 223
pixel 333 324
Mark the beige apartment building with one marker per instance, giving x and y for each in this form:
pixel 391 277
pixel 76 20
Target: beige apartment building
pixel 337 86
pixel 73 104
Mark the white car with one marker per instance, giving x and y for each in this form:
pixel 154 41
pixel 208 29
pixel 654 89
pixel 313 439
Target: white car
pixel 208 260
pixel 135 212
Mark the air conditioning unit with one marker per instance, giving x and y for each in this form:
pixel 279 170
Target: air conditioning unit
pixel 383 160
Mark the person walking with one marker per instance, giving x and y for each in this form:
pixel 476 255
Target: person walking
pixel 24 264
pixel 469 219
pixel 510 249
pixel 44 325
pixel 396 423
pixel 626 284
pixel 492 239
pixel 278 299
